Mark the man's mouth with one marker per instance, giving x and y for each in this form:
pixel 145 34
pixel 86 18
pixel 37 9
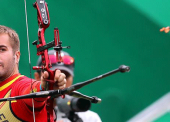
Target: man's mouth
pixel 1 64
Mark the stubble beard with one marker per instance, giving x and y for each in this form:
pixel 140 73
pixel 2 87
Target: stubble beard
pixel 6 72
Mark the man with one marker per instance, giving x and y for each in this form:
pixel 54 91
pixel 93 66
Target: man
pixel 67 67
pixel 12 83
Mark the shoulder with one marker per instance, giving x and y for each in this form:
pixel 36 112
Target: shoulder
pixel 21 84
pixel 25 80
pixel 88 116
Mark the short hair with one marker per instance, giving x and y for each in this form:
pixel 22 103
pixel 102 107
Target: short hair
pixel 14 38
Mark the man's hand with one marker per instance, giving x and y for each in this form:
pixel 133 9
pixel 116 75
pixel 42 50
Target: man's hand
pixel 59 79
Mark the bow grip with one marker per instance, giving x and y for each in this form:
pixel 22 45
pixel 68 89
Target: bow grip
pixel 50 79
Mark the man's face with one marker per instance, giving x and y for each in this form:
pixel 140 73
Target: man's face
pixel 8 63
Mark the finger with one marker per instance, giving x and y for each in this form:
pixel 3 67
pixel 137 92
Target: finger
pixel 57 75
pixel 44 76
pixel 62 76
pixel 63 82
pixel 62 87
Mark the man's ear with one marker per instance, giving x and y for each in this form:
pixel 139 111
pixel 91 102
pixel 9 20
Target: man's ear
pixel 17 56
pixel 37 76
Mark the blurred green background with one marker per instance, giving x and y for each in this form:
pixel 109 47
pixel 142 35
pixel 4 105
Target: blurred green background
pixel 104 34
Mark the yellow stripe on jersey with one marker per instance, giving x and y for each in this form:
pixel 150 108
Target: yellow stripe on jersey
pixel 9 83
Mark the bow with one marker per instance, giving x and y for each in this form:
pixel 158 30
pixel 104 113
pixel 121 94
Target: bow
pixel 42 49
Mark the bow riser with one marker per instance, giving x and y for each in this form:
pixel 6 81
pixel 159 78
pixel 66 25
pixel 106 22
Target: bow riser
pixel 46 64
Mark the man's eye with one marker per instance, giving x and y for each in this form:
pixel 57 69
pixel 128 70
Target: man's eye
pixel 2 50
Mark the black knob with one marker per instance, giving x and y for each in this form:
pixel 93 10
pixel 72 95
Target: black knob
pixel 124 68
pixel 35 42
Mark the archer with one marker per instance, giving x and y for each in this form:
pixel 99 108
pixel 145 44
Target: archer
pixel 12 83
